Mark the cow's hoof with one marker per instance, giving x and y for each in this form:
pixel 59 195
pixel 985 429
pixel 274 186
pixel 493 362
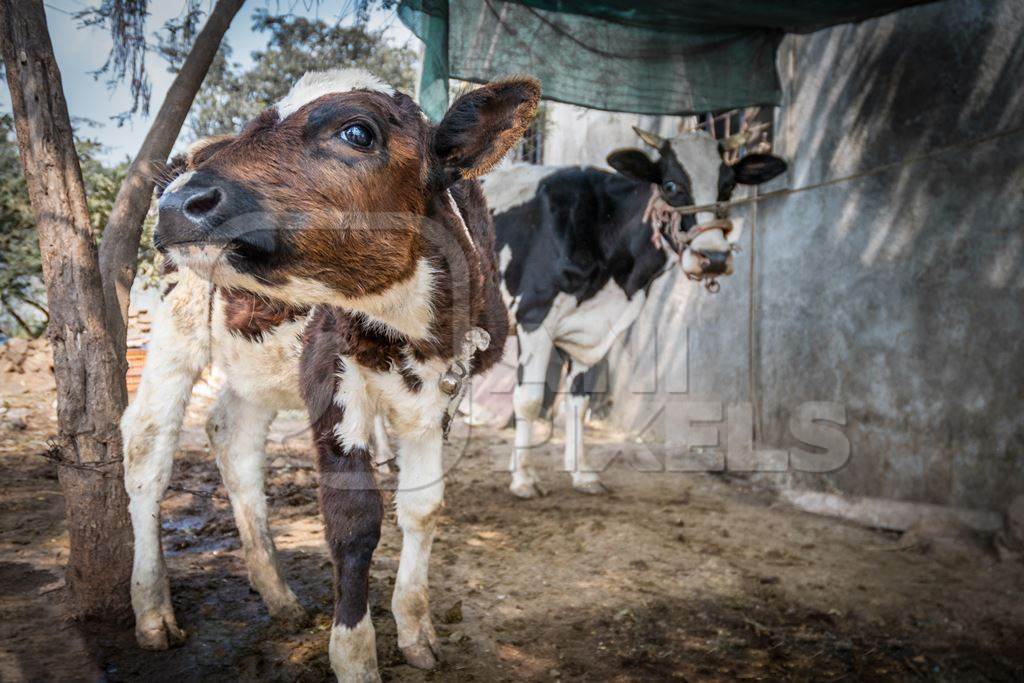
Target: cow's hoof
pixel 526 490
pixel 159 633
pixel 591 488
pixel 421 656
pixel 291 615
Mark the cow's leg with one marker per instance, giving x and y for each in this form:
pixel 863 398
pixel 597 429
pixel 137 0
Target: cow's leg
pixel 238 432
pixel 418 500
pixel 584 479
pixel 178 352
pixel 352 511
pixel 527 401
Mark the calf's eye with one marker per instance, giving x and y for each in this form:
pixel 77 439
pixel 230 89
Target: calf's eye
pixel 670 186
pixel 357 135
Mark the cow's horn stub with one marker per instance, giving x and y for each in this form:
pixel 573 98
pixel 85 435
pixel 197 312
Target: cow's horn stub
pixel 655 141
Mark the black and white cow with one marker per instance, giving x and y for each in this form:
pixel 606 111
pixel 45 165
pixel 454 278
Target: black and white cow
pixel 577 259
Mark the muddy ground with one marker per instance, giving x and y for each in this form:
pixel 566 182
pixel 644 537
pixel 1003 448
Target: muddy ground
pixel 672 577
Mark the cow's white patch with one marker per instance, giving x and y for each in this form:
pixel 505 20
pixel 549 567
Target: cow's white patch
pixel 737 231
pixel 510 186
pixel 205 260
pixel 315 84
pixel 712 240
pixel 405 307
pixel 587 330
pixel 265 372
pixel 511 303
pixel 698 154
pixel 352 397
pixel 353 651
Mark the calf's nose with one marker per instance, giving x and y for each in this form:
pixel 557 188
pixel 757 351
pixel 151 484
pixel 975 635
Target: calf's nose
pixel 203 202
pixel 188 214
pixel 196 204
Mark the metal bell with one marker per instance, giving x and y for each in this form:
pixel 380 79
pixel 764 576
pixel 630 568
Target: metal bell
pixel 449 383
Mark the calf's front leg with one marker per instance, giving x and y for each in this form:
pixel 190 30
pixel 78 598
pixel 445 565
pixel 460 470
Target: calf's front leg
pixel 150 427
pixel 418 501
pixel 238 434
pixel 352 510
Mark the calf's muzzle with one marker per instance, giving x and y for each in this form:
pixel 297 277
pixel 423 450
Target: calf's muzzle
pixel 207 210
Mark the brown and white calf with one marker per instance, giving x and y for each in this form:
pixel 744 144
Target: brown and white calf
pixel 343 234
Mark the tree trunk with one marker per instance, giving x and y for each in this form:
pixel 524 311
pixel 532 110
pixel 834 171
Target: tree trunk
pixel 120 245
pixel 88 292
pixel 90 382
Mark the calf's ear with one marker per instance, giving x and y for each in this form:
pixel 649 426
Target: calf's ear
pixel 483 125
pixel 755 169
pixel 634 164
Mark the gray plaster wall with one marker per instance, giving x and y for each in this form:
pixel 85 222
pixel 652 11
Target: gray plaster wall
pixel 897 294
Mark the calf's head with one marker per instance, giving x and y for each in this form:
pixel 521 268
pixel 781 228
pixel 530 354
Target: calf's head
pixel 323 198
pixel 689 171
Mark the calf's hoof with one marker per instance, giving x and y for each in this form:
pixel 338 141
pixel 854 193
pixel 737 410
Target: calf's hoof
pixel 591 488
pixel 291 615
pixel 526 489
pixel 158 633
pixel 422 655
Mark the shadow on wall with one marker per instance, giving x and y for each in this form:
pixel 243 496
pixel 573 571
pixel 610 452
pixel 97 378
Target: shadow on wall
pixel 898 294
pixel 920 81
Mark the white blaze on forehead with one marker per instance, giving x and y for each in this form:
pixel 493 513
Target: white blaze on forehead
pixel 698 155
pixel 315 84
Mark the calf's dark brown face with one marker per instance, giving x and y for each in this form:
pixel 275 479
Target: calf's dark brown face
pixel 324 197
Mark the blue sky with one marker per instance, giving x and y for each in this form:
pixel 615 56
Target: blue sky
pixel 82 50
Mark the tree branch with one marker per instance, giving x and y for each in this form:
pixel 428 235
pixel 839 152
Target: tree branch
pixel 17 318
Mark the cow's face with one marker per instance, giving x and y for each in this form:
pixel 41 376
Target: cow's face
pixel 689 171
pixel 323 197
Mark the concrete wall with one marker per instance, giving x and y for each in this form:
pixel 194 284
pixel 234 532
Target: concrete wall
pixel 899 294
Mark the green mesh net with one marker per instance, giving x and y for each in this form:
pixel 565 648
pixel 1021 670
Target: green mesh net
pixel 658 57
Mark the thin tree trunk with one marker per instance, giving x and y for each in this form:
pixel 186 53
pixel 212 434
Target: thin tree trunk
pixel 90 383
pixel 120 244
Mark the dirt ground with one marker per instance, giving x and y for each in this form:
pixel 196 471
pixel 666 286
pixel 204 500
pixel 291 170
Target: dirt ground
pixel 672 577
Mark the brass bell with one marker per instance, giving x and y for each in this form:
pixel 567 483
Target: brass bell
pixel 449 383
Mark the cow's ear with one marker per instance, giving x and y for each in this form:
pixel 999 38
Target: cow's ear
pixel 755 169
pixel 634 164
pixel 483 125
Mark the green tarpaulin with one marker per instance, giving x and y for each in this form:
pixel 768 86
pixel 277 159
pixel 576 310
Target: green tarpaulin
pixel 659 57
